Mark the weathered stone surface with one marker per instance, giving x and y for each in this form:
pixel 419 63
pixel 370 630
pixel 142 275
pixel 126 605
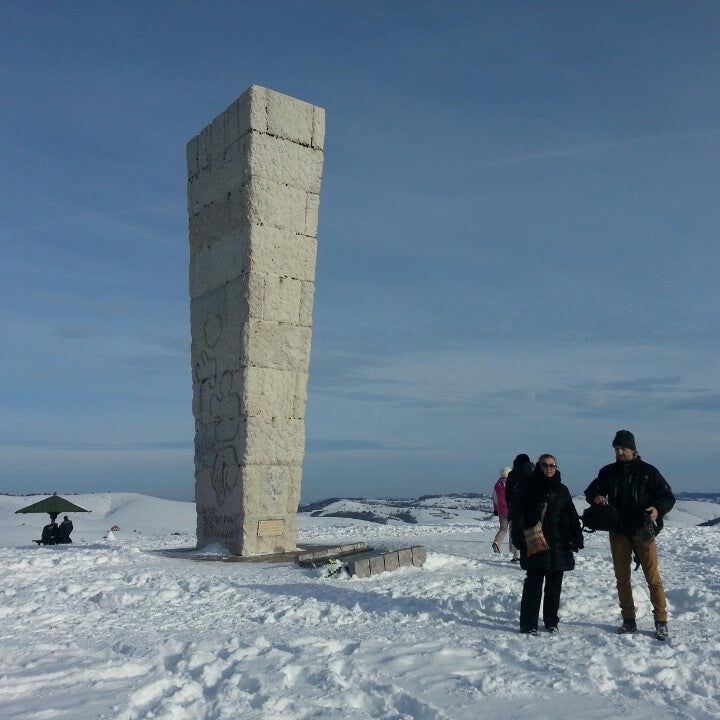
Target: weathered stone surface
pixel 209 148
pixel 283 346
pixel 283 301
pixel 307 298
pixel 191 156
pixel 273 160
pixel 383 561
pixel 315 557
pixel 301 381
pixel 270 388
pixel 277 240
pixel 253 190
pixel 405 557
pixel 257 201
pixel 377 564
pixel 419 555
pixel 250 536
pixel 218 319
pixel 359 567
pixel 318 139
pixel 218 262
pixel 216 222
pixel 274 441
pixel 391 561
pixel 249 440
pixel 272 203
pixel 311 214
pixel 217 138
pixel 283 253
pixel 286 162
pixel 214 181
pixel 290 119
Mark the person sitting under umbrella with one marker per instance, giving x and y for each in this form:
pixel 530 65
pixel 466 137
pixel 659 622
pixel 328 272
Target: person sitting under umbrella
pixel 49 534
pixel 63 533
pixel 54 505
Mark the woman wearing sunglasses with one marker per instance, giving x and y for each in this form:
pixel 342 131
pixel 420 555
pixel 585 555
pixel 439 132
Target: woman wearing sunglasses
pixel 544 502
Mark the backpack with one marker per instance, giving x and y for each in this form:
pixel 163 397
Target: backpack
pixel 600 517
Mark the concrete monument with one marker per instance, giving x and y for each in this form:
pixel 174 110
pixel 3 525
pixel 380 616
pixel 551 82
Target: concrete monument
pixel 253 193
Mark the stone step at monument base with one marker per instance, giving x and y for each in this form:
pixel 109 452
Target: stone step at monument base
pixel 372 563
pixel 306 556
pixel 320 554
pixel 358 559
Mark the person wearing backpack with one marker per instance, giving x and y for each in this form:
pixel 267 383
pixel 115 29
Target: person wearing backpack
pixel 543 506
pixel 642 498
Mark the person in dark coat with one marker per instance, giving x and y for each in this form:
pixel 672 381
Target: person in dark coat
pixel 49 534
pixel 563 533
pixel 521 470
pixel 63 533
pixel 642 498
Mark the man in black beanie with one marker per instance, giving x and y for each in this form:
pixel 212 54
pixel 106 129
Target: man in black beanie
pixel 642 497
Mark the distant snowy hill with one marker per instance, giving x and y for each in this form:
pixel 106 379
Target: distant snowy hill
pixel 140 513
pixel 425 510
pixel 462 508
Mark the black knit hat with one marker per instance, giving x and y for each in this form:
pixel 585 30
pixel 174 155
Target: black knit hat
pixel 520 460
pixel 624 438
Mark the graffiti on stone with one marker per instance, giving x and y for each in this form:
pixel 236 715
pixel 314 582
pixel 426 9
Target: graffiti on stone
pixel 219 525
pixel 225 408
pixel 225 472
pixel 212 329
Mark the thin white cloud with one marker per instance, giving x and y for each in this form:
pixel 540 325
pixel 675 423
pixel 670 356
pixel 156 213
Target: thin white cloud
pixel 590 148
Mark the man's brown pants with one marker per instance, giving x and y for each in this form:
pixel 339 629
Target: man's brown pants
pixel 621 548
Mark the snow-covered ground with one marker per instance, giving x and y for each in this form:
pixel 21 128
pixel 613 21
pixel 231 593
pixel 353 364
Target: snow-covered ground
pixel 108 628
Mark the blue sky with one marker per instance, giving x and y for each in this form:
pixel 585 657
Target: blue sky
pixel 517 246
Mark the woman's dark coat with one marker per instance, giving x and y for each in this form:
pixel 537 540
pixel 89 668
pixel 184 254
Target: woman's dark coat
pixel 561 524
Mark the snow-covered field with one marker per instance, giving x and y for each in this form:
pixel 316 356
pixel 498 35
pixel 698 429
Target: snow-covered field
pixel 107 628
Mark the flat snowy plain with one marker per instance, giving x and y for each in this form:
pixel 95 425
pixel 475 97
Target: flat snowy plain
pixel 108 628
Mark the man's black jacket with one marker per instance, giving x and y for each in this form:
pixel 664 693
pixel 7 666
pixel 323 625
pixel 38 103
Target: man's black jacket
pixel 632 487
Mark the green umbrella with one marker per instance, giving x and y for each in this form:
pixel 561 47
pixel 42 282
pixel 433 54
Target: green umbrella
pixel 54 505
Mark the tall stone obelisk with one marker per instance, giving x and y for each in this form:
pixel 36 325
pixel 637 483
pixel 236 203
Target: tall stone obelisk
pixel 253 193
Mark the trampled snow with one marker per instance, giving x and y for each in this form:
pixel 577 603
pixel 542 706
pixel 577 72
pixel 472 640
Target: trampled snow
pixel 110 628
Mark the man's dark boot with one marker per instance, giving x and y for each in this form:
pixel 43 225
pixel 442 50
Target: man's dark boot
pixel 661 631
pixel 628 626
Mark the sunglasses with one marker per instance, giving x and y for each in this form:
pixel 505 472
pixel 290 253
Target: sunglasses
pixel 548 465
